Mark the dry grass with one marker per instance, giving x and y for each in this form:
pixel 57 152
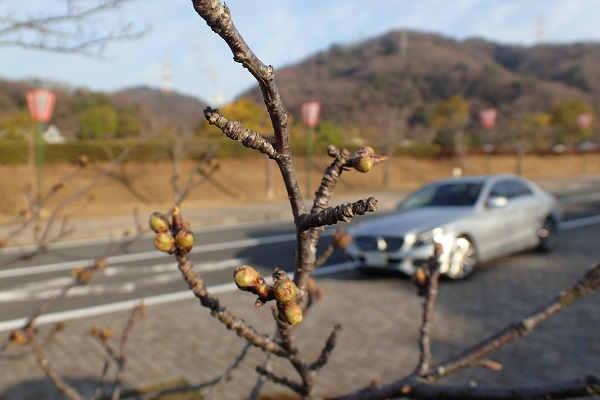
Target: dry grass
pixel 150 183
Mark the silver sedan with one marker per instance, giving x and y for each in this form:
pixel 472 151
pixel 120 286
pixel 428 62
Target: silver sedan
pixel 474 218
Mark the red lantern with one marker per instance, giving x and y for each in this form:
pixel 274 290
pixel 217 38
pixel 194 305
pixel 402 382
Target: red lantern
pixel 488 118
pixel 584 121
pixel 310 113
pixel 41 104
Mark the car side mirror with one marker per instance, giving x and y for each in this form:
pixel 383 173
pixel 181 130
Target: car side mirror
pixel 497 202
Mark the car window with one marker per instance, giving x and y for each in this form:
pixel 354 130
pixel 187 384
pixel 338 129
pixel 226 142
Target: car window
pixel 446 194
pixel 519 189
pixel 509 189
pixel 500 189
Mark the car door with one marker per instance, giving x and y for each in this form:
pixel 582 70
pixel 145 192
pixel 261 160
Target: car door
pixel 525 209
pixel 495 223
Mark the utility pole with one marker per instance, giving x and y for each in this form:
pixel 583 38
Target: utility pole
pixel 167 83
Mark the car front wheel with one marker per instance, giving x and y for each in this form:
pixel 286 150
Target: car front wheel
pixel 463 259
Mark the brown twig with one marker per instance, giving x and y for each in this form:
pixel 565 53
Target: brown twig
pixel 332 216
pixel 432 271
pixel 582 387
pixel 400 388
pixel 44 364
pixel 327 349
pixel 48 30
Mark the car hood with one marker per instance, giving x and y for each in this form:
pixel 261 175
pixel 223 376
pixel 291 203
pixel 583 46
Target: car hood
pixel 415 220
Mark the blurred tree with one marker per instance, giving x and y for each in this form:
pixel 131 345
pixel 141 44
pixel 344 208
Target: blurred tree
pixel 17 126
pixel 129 125
pixel 453 113
pixel 328 132
pixel 528 131
pixel 99 122
pixel 73 26
pixel 451 117
pixel 563 118
pixel 424 114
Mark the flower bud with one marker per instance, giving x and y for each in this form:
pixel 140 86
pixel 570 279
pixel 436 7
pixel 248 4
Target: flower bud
pixel 105 334
pixel 19 337
pixel 290 313
pixel 340 239
pixel 419 277
pixel 491 365
pixel 163 241
pixel 364 164
pixel 83 161
pixel 185 240
pixel 159 222
pixel 82 274
pixel 100 263
pixel 285 291
pixel 246 277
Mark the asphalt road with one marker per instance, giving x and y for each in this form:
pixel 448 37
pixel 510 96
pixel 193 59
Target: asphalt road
pixel 144 273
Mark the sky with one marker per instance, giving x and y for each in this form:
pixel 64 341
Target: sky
pixel 281 33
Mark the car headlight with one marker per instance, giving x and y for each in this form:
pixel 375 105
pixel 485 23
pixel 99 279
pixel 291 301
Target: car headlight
pixel 429 237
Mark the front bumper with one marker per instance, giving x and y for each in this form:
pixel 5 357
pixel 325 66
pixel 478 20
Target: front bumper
pixel 402 261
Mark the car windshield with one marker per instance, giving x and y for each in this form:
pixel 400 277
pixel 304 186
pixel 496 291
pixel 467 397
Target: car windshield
pixel 451 194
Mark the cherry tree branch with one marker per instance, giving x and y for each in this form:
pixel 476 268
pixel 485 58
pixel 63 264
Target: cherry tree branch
pixel 74 29
pixel 582 387
pixel 589 283
pixel 332 216
pixel 236 131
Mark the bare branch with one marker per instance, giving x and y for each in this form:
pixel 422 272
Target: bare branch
pixel 236 131
pixel 44 364
pixel 332 216
pixel 75 29
pixel 432 271
pixel 327 349
pixel 588 284
pixel 583 387
pixel 400 388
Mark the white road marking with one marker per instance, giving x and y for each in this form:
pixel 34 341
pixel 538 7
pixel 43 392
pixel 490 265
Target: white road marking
pixel 148 301
pixel 149 255
pixel 67 244
pixel 580 198
pixel 154 275
pixel 580 222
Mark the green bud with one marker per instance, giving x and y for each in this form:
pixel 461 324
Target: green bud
pixel 159 222
pixel 285 291
pixel 290 312
pixel 163 241
pixel 185 240
pixel 246 277
pixel 364 164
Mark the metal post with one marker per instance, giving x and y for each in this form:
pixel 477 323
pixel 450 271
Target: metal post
pixel 40 155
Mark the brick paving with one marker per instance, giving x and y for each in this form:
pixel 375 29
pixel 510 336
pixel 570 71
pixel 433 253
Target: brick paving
pixel 379 318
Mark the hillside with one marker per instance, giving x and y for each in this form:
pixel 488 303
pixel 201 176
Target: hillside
pixel 394 80
pixel 151 108
pixel 365 84
pixel 179 112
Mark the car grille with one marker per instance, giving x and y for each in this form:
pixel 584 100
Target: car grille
pixel 370 243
